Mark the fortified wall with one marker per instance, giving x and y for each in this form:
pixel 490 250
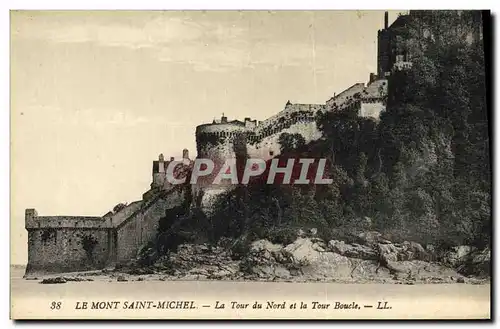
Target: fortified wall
pixel 223 139
pixel 78 243
pixel 219 140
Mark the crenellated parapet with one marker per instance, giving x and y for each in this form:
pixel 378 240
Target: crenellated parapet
pixel 365 101
pixel 33 221
pixel 217 140
pixel 108 221
pixel 291 115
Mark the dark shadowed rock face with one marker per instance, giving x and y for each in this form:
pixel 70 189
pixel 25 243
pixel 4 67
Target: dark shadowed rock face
pixel 199 262
pixel 481 263
pixel 121 278
pixel 476 263
pixel 53 280
pixel 352 250
pixel 457 255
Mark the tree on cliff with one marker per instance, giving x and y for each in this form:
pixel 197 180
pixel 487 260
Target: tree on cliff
pixel 290 142
pixel 429 155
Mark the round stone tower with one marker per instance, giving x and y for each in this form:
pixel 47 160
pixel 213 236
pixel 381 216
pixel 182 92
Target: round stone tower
pixel 219 141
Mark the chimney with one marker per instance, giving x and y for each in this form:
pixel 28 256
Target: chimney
pixel 386 20
pixel 161 163
pixel 185 154
pixel 223 119
pixel 172 159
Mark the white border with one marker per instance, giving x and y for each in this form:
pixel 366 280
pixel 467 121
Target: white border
pixel 252 5
pixel 179 5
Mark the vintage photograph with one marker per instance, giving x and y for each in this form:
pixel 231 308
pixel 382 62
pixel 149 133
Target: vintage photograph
pixel 250 164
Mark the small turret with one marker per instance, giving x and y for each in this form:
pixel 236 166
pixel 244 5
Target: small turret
pixel 185 154
pixel 249 123
pixel 159 168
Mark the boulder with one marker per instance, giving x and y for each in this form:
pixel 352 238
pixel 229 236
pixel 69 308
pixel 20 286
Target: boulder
pixel 372 237
pixel 265 247
pixel 406 251
pixel 305 257
pixel 224 271
pixel 481 262
pixel 191 277
pixel 352 250
pixel 327 266
pixel 265 252
pixel 271 271
pixel 477 263
pixel 413 250
pixel 121 278
pixel 430 248
pixel 201 271
pixel 57 280
pixel 189 256
pixel 265 260
pixel 138 270
pixel 424 272
pixel 74 279
pixel 457 255
pixel 369 271
pixel 388 252
pixel 304 250
pixel 315 262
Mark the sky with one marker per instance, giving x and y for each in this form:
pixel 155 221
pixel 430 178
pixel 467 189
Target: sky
pixel 97 96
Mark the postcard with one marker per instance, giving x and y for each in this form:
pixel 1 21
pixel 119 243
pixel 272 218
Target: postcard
pixel 250 164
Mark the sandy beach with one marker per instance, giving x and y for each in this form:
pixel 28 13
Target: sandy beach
pixel 109 299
